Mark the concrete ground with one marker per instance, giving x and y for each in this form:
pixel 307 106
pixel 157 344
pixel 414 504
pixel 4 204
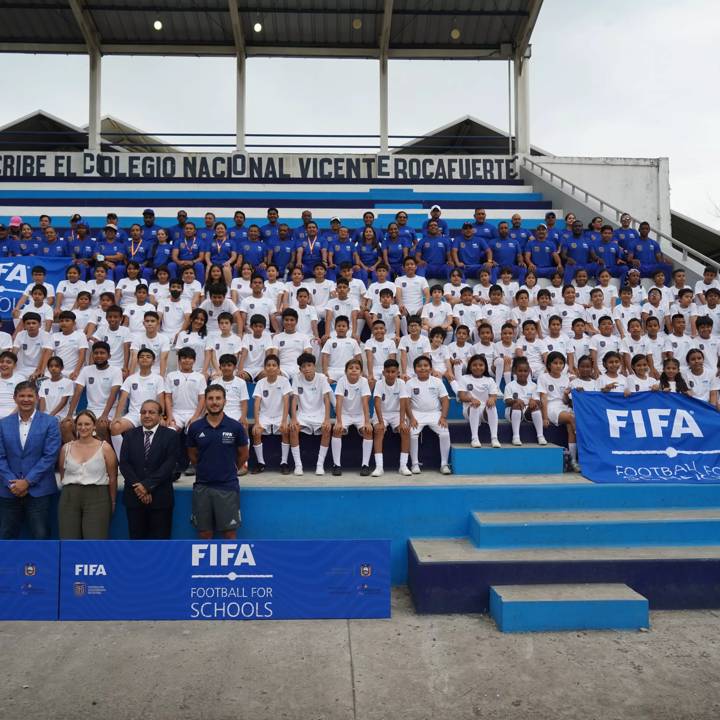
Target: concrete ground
pixel 408 667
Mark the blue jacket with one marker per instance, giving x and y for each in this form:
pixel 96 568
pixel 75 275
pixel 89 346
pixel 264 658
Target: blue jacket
pixel 36 461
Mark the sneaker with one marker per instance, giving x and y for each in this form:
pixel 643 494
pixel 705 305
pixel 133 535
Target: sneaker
pixel 516 441
pixel 319 470
pixel 284 468
pixel 258 469
pixel 495 443
pixel 337 470
pixel 405 470
pixel 416 470
pixel 542 440
pixel 574 466
pixel 445 470
pixel 364 471
pixel 475 443
pixel 377 472
pixel 190 470
pixel 298 470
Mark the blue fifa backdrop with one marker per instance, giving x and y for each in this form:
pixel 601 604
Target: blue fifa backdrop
pixel 16 275
pixel 651 437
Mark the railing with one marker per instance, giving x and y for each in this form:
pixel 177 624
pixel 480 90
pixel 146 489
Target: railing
pixel 604 207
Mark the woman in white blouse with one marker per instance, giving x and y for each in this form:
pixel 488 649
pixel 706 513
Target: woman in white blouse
pixel 88 474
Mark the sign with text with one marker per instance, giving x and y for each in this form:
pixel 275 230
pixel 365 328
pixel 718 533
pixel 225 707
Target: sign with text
pixel 650 437
pixel 265 168
pixel 29 577
pixel 16 275
pixel 224 580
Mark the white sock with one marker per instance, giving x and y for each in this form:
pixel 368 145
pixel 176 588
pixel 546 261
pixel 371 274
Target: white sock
pixel 336 444
pixel 515 420
pixel 455 385
pixel 360 326
pixel 444 448
pixel 492 419
pixel 474 416
pixel 322 454
pixel 536 416
pixel 403 459
pixel 414 442
pixel 259 453
pixel 507 377
pixel 117 441
pixel 572 449
pixel 284 450
pixel 296 456
pixel 367 447
pixel 498 366
pixel 379 461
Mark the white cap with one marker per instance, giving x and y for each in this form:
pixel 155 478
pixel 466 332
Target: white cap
pixel 435 207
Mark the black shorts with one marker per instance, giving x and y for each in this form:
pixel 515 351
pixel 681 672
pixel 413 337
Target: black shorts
pixel 214 509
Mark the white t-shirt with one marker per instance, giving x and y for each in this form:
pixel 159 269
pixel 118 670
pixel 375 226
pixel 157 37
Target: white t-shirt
pixel 70 292
pixel 373 293
pixel 186 389
pixel 414 349
pixel 603 344
pixel 126 286
pixel 515 391
pixel 136 315
pixel 97 289
pixel 710 348
pixel 440 357
pixel 310 396
pixel 116 339
pixel 339 351
pixel 86 317
pixel 273 292
pixel 582 294
pixel 172 315
pixel 388 315
pixel 488 351
pixel 241 287
pixel 391 395
pixel 45 312
pixel 190 290
pixel 463 354
pixel 235 392
pixel 98 385
pixel 534 352
pixel 553 387
pixel 306 317
pixel 159 345
pixel 214 310
pixel 289 347
pixel 292 290
pixel 679 346
pixel 593 315
pixel 557 344
pixel 543 318
pixel 425 395
pixel 48 286
pixel 159 291
pixel 436 315
pixel 480 388
pixel 257 306
pixel 256 350
pixel 701 385
pixel 604 380
pixel 7 393
pixel 230 345
pixel 590 385
pixel 568 313
pixel 482 292
pixel 509 291
pixel 452 291
pixel 141 388
pixel 505 351
pixel 656 347
pixel 633 347
pixel 610 295
pixel 495 315
pixel 467 315
pixel 194 341
pixel 320 294
pixel 340 308
pixel 381 351
pixel 636 384
pixel 352 395
pixel 687 312
pixel 271 399
pixel 30 349
pixel 625 314
pixel 579 347
pixel 413 292
pixel 67 347
pixel 53 392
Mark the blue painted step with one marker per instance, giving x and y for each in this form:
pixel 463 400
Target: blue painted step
pixel 453 576
pixel 544 608
pixel 595 528
pixel 531 459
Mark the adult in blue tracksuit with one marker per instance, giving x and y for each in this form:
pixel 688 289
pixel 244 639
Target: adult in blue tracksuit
pixel 44 222
pixel 177 232
pixel 482 228
pixel 471 253
pixel 271 231
pixel 8 246
pixel 553 231
pixel 300 232
pixel 542 256
pixel 594 230
pixel 433 254
pixel 577 253
pixel 112 219
pixel 435 212
pixel 367 256
pixel 311 250
pixel 111 251
pixel 407 234
pixel 368 221
pixel 162 252
pixel 626 236
pixel 149 226
pixel 83 250
pixel 282 251
pixel 395 249
pixel 53 246
pixel 29 447
pixel 221 251
pixel 253 250
pixel 206 233
pixel 26 244
pixel 188 253
pixel 140 249
pixel 646 255
pixel 610 256
pixel 339 251
pixel 331 235
pixel 518 232
pixel 566 232
pixel 507 253
pixel 238 232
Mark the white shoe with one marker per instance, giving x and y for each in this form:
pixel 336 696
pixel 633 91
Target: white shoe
pixel 516 441
pixel 542 440
pixel 475 443
pixel 377 472
pixel 298 470
pixel 405 470
pixel 574 466
pixel 445 470
pixel 319 470
pixel 416 470
pixel 495 443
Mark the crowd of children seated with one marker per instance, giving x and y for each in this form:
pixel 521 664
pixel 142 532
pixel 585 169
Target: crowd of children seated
pixel 364 331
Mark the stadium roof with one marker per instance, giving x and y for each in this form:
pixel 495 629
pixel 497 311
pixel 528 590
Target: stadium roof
pixel 458 29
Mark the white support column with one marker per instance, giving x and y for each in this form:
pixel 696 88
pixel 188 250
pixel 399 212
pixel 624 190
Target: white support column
pixel 384 139
pixel 94 122
pixel 240 104
pixel 522 104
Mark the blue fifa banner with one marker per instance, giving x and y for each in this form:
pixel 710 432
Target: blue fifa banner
pixel 648 437
pixel 224 580
pixel 29 579
pixel 16 275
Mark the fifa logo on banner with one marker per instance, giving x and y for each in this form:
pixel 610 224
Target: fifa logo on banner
pixel 90 569
pixel 654 423
pixel 222 555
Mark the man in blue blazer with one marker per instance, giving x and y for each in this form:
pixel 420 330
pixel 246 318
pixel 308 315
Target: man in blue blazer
pixel 29 446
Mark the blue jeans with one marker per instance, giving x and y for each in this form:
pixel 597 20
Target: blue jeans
pixel 35 510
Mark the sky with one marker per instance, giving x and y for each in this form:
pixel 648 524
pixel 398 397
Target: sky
pixel 611 78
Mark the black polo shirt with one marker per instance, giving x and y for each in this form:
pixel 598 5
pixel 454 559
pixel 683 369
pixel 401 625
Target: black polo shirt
pixel 217 451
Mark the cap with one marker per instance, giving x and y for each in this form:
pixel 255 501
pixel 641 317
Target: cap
pixel 633 270
pixel 83 225
pixel 110 226
pixel 15 221
pixel 76 218
pixel 542 225
pixel 335 219
pixel 148 211
pixel 550 214
pixel 467 225
pixel 435 207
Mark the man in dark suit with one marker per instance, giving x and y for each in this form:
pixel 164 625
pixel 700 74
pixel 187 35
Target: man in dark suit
pixel 29 446
pixel 147 462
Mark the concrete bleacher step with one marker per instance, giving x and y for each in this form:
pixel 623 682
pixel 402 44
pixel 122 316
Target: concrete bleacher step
pixel 545 608
pixel 454 576
pixel 599 527
pixel 531 459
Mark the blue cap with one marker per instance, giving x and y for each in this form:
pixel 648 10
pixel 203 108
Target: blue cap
pixel 148 211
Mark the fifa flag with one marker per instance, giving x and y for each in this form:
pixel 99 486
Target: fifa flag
pixel 648 437
pixel 16 275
